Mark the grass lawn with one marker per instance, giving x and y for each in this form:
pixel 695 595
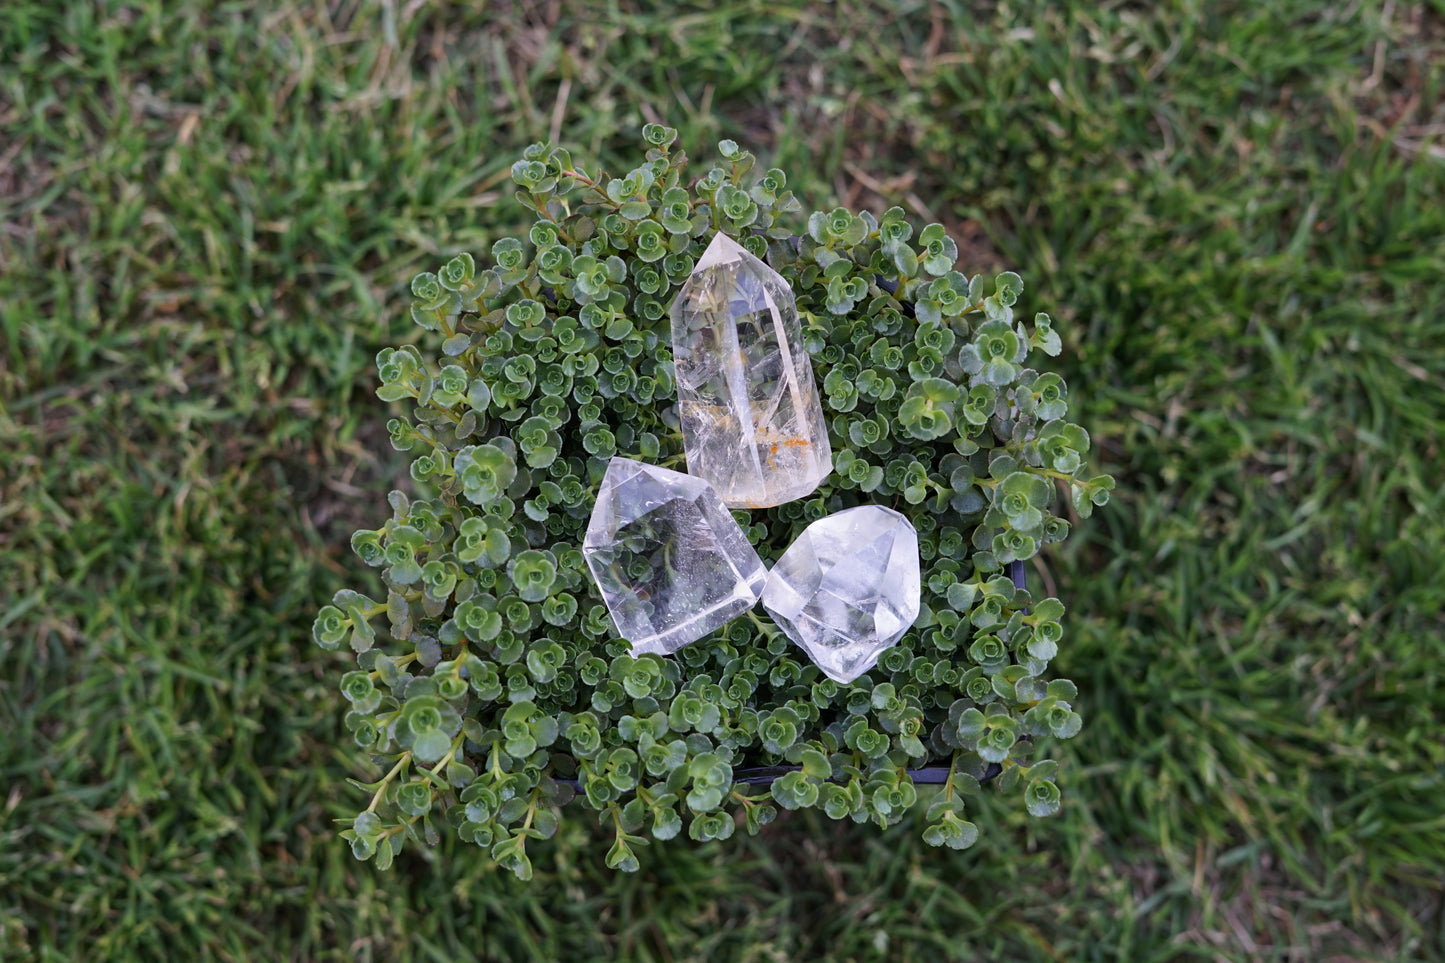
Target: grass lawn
pixel 1235 212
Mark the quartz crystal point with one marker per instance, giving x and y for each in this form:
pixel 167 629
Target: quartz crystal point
pixel 847 589
pixel 671 561
pixel 752 424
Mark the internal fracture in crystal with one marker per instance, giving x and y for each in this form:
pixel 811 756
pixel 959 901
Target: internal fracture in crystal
pixel 670 560
pixel 847 589
pixel 752 423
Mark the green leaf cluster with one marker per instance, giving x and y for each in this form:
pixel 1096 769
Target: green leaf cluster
pixel 489 685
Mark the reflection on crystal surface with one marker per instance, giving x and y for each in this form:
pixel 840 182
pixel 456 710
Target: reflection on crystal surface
pixel 847 589
pixel 752 423
pixel 672 563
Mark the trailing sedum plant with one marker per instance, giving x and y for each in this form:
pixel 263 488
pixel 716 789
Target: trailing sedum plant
pixel 490 687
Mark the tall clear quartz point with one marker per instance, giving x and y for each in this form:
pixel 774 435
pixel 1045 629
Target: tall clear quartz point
pixel 752 424
pixel 847 589
pixel 670 559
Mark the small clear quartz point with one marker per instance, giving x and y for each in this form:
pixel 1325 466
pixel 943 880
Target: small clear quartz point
pixel 847 589
pixel 752 422
pixel 671 561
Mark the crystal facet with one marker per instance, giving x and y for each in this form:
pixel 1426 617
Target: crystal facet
pixel 671 561
pixel 752 424
pixel 847 589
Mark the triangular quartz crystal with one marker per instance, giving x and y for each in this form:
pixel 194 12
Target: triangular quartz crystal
pixel 670 560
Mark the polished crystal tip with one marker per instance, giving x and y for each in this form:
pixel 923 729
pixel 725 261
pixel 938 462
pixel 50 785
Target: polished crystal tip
pixel 668 556
pixel 752 422
pixel 847 589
